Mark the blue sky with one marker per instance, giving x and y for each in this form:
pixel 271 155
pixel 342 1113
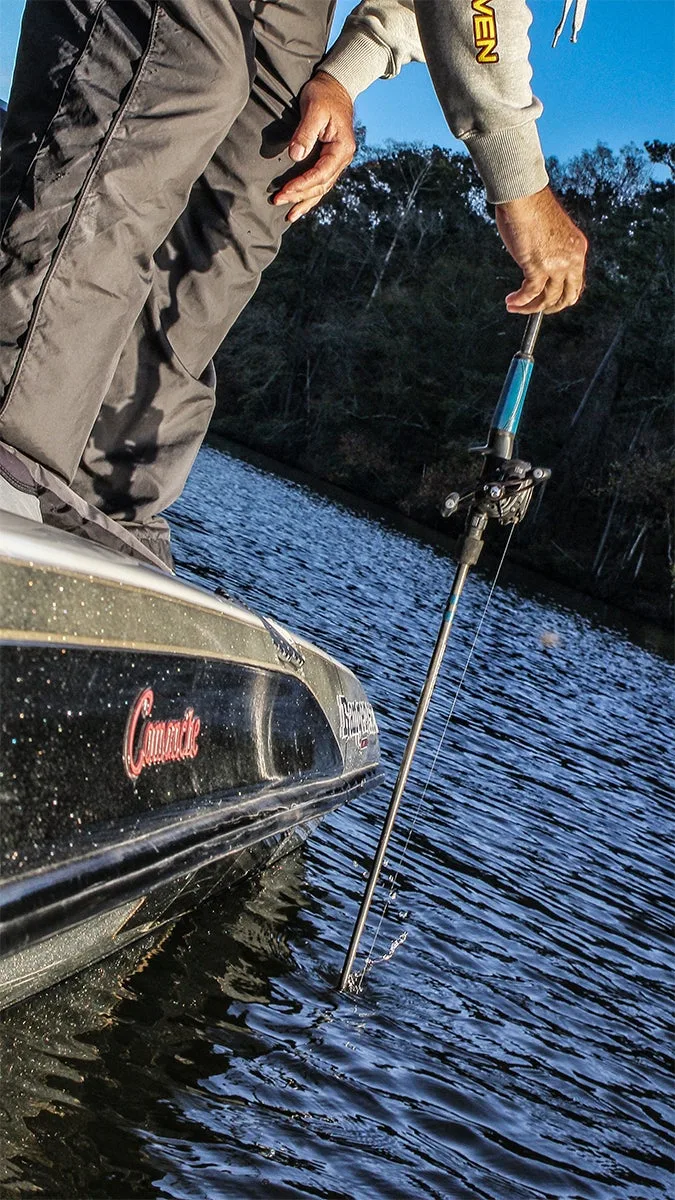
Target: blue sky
pixel 615 85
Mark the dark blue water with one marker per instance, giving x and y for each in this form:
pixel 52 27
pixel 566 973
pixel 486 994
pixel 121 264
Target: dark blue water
pixel 516 1044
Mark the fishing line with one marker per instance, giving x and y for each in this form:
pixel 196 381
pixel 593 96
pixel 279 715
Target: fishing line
pixel 393 880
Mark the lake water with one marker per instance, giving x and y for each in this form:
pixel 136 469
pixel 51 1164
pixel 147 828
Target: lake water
pixel 516 1045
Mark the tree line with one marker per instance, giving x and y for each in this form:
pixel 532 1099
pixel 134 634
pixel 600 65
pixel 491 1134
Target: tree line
pixel 375 348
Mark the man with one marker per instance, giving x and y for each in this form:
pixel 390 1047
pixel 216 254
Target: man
pixel 148 166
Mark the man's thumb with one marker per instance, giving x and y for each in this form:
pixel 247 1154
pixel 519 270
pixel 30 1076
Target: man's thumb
pixel 307 134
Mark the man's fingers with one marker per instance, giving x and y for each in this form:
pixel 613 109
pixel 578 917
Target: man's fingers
pixel 307 194
pixel 306 200
pixel 536 305
pixel 558 292
pixel 327 118
pixel 552 292
pixel 301 210
pixel 571 293
pixel 549 248
pixel 322 175
pixel 530 292
pixel 314 183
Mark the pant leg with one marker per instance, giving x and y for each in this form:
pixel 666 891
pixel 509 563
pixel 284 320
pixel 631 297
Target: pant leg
pixel 161 398
pixel 148 95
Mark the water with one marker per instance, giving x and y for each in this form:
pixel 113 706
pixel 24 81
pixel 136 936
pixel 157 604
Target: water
pixel 516 1046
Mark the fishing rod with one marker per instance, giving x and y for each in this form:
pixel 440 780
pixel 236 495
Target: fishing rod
pixel 502 493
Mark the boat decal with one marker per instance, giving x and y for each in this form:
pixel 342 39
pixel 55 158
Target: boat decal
pixel 357 721
pixel 148 743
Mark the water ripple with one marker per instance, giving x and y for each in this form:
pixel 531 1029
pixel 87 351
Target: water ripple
pixel 517 1046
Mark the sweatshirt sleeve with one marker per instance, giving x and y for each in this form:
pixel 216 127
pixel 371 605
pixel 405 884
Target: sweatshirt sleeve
pixel 478 56
pixel 378 38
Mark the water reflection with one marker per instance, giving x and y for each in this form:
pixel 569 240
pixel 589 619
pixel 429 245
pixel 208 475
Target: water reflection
pixel 515 1048
pixel 89 1067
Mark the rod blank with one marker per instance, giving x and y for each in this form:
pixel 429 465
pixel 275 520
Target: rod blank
pixel 404 770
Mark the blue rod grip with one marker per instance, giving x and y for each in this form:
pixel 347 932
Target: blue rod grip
pixel 510 403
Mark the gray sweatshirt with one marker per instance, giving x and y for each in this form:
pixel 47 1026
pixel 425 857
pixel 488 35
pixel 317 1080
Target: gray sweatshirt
pixel 477 52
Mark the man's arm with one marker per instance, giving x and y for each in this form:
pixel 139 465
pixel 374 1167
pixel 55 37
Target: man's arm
pixel 478 56
pixel 377 39
pixel 477 52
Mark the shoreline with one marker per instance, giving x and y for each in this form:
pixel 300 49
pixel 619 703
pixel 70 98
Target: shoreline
pixel 640 626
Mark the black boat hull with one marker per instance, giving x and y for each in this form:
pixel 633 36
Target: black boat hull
pixel 156 743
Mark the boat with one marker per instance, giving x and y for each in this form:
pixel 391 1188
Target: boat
pixel 157 742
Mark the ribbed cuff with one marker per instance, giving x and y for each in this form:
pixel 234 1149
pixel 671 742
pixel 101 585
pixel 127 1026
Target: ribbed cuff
pixel 510 162
pixel 356 60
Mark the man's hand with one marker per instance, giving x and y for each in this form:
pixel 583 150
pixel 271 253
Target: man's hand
pixel 550 250
pixel 327 117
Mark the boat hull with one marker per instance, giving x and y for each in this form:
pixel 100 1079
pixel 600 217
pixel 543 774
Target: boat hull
pixel 157 742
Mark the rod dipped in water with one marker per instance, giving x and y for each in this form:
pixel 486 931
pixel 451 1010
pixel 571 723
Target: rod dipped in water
pixel 503 493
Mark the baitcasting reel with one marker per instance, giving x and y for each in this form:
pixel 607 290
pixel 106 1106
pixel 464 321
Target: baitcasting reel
pixel 505 496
